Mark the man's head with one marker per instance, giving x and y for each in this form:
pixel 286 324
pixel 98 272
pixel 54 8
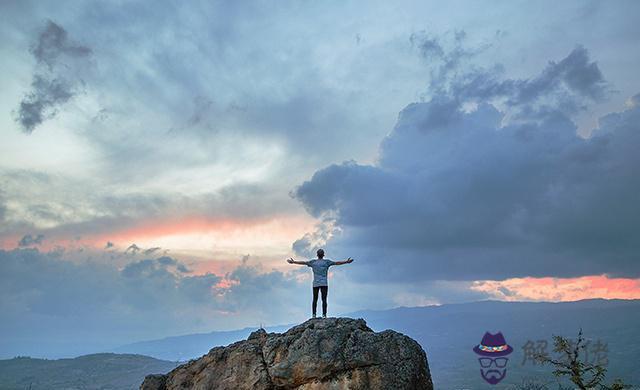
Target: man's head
pixel 320 253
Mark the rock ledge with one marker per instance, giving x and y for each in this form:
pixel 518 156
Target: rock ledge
pixel 328 353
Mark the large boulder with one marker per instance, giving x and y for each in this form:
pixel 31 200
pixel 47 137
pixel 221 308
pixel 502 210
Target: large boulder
pixel 327 353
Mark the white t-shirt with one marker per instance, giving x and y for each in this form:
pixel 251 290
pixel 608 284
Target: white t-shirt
pixel 320 268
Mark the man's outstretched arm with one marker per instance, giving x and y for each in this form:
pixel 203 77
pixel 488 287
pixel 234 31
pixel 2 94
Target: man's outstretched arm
pixel 347 261
pixel 292 261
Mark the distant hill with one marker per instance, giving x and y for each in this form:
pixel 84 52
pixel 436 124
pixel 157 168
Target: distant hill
pixel 190 346
pixel 105 371
pixel 448 332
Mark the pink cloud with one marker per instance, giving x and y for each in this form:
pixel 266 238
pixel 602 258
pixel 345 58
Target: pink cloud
pixel 560 289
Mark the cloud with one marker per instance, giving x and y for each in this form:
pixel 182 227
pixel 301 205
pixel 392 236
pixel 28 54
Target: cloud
pixel 634 101
pixel 53 43
pixel 44 203
pixel 163 268
pixel 557 289
pixel 446 56
pixel 29 240
pixel 266 294
pixel 311 241
pixel 3 208
pixel 39 285
pixel 133 249
pixel 575 72
pixel 53 305
pixel 56 80
pixel 41 103
pixel 49 299
pixel 468 194
pixel 566 86
pixel 163 105
pixel 152 250
pixel 252 116
pixel 299 117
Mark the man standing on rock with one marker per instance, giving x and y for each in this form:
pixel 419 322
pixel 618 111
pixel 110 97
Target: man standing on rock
pixel 320 268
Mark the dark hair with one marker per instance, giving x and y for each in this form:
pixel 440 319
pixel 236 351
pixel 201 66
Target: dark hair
pixel 320 253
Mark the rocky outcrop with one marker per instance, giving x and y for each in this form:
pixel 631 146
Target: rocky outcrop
pixel 328 353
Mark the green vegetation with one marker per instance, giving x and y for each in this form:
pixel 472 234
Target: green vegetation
pixel 104 371
pixel 573 365
pixel 583 374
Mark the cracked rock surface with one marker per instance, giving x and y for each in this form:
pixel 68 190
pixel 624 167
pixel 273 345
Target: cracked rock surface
pixel 327 353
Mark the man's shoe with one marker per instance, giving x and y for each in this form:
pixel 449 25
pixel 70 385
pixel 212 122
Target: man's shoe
pixel 313 316
pixel 324 316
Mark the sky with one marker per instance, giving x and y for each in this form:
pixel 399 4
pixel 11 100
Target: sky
pixel 160 161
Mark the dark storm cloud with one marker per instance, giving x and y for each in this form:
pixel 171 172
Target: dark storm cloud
pixel 29 240
pixel 461 195
pixel 55 81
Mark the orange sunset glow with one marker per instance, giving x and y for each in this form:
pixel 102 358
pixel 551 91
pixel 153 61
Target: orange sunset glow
pixel 273 234
pixel 561 289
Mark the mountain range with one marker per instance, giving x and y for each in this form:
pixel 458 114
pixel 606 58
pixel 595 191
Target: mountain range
pixel 446 332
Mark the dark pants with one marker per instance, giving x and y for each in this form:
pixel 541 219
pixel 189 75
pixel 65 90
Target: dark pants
pixel 314 305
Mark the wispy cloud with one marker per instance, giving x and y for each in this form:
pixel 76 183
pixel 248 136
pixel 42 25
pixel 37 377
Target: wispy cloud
pixel 55 80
